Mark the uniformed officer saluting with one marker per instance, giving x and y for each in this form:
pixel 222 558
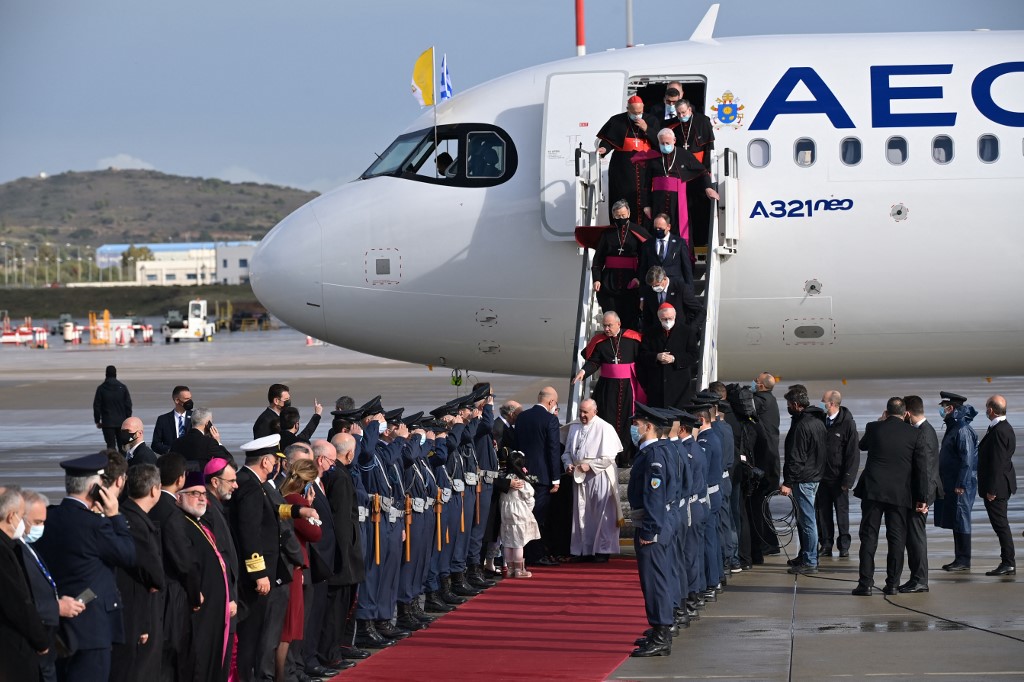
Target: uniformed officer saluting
pixel 650 485
pixel 82 548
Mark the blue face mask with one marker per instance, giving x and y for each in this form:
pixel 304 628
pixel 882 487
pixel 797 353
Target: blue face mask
pixel 753 386
pixel 666 148
pixel 684 119
pixel 942 413
pixel 824 405
pixel 634 434
pixel 423 439
pixel 34 533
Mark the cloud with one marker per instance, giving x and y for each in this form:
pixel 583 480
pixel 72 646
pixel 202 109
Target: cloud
pixel 123 161
pixel 243 174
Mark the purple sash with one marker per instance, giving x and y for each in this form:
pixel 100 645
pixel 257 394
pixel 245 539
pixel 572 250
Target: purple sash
pixel 667 183
pixel 625 370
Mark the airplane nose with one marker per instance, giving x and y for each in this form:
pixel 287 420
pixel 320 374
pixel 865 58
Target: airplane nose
pixel 285 272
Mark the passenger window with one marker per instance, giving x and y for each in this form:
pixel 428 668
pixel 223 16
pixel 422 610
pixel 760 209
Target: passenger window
pixel 803 152
pixel 896 151
pixel 988 148
pixel 486 155
pixel 942 149
pixel 850 151
pixel 759 153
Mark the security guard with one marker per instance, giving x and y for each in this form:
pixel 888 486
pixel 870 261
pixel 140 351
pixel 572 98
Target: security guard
pixel 82 549
pixel 651 481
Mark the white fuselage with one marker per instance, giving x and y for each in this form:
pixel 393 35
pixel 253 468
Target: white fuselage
pixel 918 276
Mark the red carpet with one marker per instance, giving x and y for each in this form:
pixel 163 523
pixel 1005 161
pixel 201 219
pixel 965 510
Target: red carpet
pixel 573 622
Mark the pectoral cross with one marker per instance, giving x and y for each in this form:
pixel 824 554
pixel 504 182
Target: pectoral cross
pixel 686 146
pixel 616 359
pixel 620 250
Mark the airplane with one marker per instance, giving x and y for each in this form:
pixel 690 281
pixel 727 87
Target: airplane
pixel 869 185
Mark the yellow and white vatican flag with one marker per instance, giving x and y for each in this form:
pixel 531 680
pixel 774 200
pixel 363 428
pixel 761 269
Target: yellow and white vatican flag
pixel 423 78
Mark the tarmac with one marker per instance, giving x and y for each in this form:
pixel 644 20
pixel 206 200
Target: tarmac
pixel 767 625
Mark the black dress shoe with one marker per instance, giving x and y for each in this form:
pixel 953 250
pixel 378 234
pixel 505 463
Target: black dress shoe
pixel 844 554
pixel 600 558
pixel 321 671
pixel 890 590
pixel 825 552
pixel 795 562
pixel 770 552
pixel 1002 569
pixel 803 569
pixel 912 586
pixel 956 567
pixel 351 652
pixel 340 664
pixel 862 591
pixel 389 631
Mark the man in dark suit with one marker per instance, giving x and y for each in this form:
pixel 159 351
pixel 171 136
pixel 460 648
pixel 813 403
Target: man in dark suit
pixel 917 540
pixel 49 604
pixel 667 250
pixel 278 398
pixel 82 549
pixel 139 656
pixel 668 355
pixel 664 112
pixel 997 479
pixel 23 635
pixel 659 288
pixel 537 438
pixel 174 424
pixel 893 483
pixel 183 589
pixel 133 440
pixel 504 430
pixel 202 442
pixel 111 406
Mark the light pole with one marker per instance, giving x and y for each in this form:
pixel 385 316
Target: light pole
pixel 35 264
pixel 7 262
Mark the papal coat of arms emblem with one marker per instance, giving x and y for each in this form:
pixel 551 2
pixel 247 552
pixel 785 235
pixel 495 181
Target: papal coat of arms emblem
pixel 728 111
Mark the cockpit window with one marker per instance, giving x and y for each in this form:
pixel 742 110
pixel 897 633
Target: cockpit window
pixel 464 154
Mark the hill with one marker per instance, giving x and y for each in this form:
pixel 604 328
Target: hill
pixel 137 206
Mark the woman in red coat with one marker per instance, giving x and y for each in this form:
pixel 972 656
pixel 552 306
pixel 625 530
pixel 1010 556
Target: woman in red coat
pixel 298 489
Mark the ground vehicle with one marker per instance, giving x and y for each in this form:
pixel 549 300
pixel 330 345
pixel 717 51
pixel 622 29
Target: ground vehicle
pixel 196 326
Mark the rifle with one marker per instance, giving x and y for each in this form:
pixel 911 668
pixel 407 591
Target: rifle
pixel 375 517
pixel 437 517
pixel 479 487
pixel 408 528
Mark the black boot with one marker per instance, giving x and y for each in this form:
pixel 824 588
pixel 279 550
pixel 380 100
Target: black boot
pixel 407 619
pixel 460 588
pixel 367 636
pixel 388 631
pixel 475 578
pixel 435 603
pixel 682 618
pixel 658 644
pixel 446 593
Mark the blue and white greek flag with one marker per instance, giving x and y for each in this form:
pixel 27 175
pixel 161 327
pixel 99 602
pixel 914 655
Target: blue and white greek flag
pixel 446 79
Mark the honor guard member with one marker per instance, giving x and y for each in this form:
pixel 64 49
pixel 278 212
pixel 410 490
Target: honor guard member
pixel 725 529
pixel 425 533
pixel 708 440
pixel 650 485
pixel 438 598
pixel 681 438
pixel 410 583
pixel 700 511
pixel 452 516
pixel 381 464
pixel 463 432
pixel 482 428
pixel 82 550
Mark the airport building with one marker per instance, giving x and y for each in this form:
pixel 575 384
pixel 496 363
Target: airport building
pixel 183 263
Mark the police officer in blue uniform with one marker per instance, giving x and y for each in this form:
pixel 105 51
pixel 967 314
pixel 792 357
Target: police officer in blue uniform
pixel 438 598
pixel 482 428
pixel 650 498
pixel 726 528
pixel 681 438
pixel 82 550
pixel 410 583
pixel 463 433
pixel 693 549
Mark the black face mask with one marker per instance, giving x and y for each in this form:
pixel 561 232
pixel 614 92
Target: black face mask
pixel 124 437
pixel 621 222
pixel 187 405
pixel 660 234
pixel 287 403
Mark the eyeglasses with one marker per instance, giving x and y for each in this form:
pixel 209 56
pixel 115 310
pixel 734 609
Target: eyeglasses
pixel 227 480
pixel 197 494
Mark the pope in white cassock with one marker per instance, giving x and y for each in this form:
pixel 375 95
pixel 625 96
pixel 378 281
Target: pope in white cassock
pixel 590 450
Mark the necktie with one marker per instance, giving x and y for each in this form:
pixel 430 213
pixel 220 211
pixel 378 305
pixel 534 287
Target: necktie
pixel 661 298
pixel 661 249
pixel 181 425
pixel 42 568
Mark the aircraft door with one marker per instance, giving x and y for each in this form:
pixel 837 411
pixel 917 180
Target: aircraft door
pixel 576 106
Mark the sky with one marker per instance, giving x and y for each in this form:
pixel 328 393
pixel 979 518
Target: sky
pixel 302 93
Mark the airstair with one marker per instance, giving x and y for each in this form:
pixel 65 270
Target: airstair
pixel 722 243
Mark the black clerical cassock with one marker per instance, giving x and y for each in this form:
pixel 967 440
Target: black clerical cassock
pixel 665 191
pixel 626 180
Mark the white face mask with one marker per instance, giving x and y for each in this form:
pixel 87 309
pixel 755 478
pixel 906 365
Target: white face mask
pixel 668 324
pixel 658 288
pixel 19 532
